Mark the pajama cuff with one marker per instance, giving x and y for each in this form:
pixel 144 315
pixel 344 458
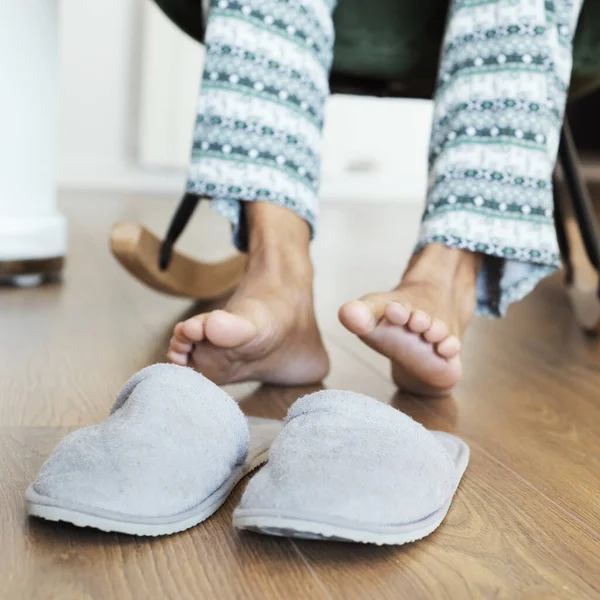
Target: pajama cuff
pixel 231 209
pixel 260 111
pixel 501 281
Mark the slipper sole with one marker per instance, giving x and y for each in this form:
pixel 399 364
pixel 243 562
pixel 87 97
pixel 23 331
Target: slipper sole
pixel 324 527
pixel 262 431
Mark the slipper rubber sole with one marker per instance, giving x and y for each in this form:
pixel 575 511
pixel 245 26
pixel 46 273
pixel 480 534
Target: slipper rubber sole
pixel 325 527
pixel 262 433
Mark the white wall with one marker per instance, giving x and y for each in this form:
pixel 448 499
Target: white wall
pixel 99 82
pixel 373 148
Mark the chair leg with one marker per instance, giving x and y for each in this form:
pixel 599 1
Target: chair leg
pixel 583 207
pixel 578 239
pixel 561 233
pixel 178 222
pixel 137 249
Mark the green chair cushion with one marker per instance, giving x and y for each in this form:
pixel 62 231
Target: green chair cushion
pixel 398 39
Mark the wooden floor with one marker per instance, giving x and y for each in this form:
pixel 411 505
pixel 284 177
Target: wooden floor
pixel 525 522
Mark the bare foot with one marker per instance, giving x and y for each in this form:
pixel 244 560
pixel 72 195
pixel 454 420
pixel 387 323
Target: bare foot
pixel 420 324
pixel 267 331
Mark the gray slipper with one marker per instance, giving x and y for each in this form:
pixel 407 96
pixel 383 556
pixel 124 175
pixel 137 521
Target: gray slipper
pixel 348 468
pixel 167 457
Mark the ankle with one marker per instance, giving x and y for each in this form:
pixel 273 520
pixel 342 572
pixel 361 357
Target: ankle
pixel 279 241
pixel 269 223
pixel 441 263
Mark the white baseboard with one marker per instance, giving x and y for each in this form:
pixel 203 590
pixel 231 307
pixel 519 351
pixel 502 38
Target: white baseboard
pixel 352 187
pixel 373 149
pixel 114 178
pixel 372 187
pixel 30 238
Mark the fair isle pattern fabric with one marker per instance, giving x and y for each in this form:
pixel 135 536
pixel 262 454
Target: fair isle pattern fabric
pixel 502 86
pixel 260 110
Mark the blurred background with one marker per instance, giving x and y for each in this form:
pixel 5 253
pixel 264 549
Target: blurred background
pixel 97 105
pixel 127 80
pixel 128 85
pixel 102 100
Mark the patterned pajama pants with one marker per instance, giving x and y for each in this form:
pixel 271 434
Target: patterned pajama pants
pixel 501 92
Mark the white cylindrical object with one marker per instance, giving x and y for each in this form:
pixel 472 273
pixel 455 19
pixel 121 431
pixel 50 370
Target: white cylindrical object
pixel 30 224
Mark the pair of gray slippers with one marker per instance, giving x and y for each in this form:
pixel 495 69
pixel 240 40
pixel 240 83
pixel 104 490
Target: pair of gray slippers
pixel 341 467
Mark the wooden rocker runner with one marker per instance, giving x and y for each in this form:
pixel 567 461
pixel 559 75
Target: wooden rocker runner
pixel 156 264
pixel 406 67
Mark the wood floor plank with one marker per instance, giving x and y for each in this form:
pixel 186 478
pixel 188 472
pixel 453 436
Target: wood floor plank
pixel 40 560
pixel 524 523
pixel 529 395
pixel 529 392
pixel 74 344
pixel 496 541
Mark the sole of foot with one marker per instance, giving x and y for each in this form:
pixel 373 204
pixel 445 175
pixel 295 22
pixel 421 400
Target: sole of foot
pixel 267 331
pixel 420 324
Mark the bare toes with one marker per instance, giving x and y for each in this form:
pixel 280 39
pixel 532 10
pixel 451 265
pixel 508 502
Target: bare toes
pixel 181 347
pixel 191 330
pixel 178 358
pixel 357 317
pixel 397 314
pixel 419 322
pixel 178 333
pixel 228 330
pixel 449 348
pixel 437 332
